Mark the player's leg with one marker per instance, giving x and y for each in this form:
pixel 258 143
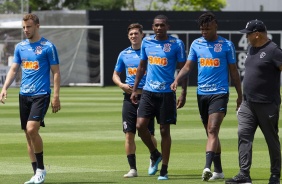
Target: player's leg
pixel 247 125
pixel 165 146
pixel 268 117
pixel 129 115
pixel 151 128
pixel 203 106
pixel 213 147
pixel 166 116
pixel 32 157
pixel 146 112
pixel 25 105
pixel 38 110
pixel 216 107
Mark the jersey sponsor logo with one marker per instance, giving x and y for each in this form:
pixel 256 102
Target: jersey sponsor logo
pixel 167 47
pixel 208 87
pixel 30 65
pixel 157 85
pixel 132 71
pixel 209 62
pixel 217 47
pixel 28 88
pixel 153 60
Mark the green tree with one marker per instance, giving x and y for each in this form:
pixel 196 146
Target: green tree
pixel 95 5
pixel 38 5
pixel 182 5
pixel 198 5
pixel 11 6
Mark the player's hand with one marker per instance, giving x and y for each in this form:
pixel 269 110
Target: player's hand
pixel 134 97
pixel 3 96
pixel 56 104
pixel 239 101
pixel 173 86
pixel 181 101
pixel 126 88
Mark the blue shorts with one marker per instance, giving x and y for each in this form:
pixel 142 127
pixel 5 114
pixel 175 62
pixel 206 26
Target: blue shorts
pixel 33 108
pixel 159 105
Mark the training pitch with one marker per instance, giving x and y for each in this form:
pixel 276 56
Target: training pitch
pixel 84 142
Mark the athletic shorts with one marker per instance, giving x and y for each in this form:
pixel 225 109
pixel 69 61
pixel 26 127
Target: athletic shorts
pixel 129 116
pixel 33 108
pixel 159 105
pixel 209 104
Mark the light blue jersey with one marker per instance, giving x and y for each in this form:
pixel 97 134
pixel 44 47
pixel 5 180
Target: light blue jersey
pixel 35 60
pixel 162 57
pixel 213 59
pixel 129 60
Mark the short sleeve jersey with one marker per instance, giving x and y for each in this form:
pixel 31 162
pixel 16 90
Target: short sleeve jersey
pixel 162 57
pixel 212 59
pixel 129 60
pixel 261 81
pixel 35 60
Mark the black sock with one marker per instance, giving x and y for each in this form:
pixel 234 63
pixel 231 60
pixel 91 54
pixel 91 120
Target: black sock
pixel 155 154
pixel 39 158
pixel 163 171
pixel 217 163
pixel 209 159
pixel 34 166
pixel 132 161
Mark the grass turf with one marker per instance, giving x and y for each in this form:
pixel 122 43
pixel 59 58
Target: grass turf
pixel 84 142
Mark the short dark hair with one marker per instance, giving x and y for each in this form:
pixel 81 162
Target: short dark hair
pixel 206 18
pixel 162 17
pixel 31 16
pixel 135 25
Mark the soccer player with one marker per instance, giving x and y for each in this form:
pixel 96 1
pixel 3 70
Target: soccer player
pixel 36 56
pixel 160 54
pixel 128 60
pixel 215 59
pixel 261 104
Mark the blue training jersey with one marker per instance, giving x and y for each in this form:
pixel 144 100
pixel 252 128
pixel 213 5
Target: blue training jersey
pixel 35 60
pixel 129 60
pixel 213 59
pixel 162 57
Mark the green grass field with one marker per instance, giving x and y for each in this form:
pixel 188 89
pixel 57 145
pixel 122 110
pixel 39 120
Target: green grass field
pixel 84 142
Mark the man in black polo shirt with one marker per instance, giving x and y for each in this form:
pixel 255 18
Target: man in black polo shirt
pixel 261 104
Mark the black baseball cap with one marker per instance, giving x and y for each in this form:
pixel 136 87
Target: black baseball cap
pixel 254 26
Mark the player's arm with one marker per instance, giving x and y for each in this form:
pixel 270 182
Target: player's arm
pixel 139 74
pixel 9 79
pixel 182 98
pixel 237 83
pixel 55 103
pixel 125 87
pixel 183 74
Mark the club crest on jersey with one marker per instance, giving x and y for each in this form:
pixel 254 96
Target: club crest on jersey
pixel 217 47
pixel 167 47
pixel 262 55
pixel 38 50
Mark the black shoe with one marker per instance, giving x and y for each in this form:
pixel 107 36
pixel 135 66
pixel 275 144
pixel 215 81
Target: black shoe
pixel 239 179
pixel 274 179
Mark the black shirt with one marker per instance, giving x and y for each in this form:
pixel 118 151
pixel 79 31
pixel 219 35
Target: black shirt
pixel 261 82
